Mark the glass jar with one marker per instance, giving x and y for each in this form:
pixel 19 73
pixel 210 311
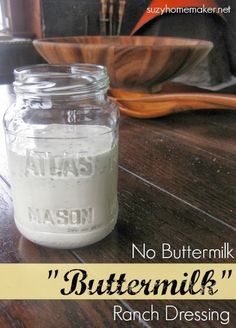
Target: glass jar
pixel 62 145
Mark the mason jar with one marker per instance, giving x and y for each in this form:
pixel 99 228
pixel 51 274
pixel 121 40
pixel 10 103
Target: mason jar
pixel 62 145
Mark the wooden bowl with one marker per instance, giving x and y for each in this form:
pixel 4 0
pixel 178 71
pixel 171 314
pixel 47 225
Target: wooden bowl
pixel 133 62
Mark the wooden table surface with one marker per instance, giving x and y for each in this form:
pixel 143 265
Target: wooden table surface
pixel 175 185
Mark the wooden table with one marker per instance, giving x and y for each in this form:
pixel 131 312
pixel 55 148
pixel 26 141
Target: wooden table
pixel 175 186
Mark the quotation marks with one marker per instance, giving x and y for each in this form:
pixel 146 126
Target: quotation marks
pixel 224 274
pixel 52 274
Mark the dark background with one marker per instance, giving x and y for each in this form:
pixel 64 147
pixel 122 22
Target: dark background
pixel 65 18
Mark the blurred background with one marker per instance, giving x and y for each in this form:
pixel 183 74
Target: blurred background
pixel 21 21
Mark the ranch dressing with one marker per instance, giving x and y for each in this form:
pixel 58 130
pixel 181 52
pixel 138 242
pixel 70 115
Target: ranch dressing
pixel 65 188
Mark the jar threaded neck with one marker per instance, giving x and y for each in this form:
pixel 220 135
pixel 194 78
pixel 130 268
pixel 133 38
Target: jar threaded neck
pixel 60 80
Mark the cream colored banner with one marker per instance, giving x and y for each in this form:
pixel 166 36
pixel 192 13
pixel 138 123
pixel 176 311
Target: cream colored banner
pixel 118 281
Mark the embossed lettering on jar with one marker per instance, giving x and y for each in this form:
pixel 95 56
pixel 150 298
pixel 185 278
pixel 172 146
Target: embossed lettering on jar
pixel 62 144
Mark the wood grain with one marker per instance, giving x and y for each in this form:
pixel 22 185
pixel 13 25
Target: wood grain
pixel 148 215
pixel 151 106
pixel 154 60
pixel 169 191
pixel 181 168
pixel 200 130
pixel 26 18
pixel 59 314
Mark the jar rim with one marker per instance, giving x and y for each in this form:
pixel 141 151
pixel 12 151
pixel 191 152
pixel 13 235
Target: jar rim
pixel 60 80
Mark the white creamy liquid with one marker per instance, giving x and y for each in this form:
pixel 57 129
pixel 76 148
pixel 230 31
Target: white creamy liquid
pixel 65 189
